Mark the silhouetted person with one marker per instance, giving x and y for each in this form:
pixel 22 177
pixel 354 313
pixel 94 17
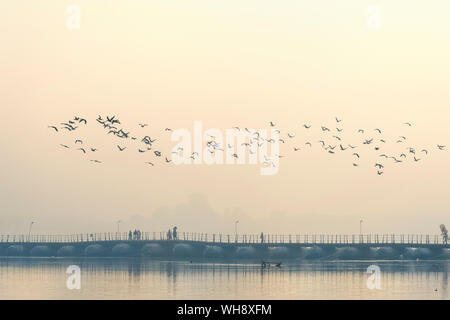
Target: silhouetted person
pixel 262 237
pixel 130 235
pixel 174 233
pixel 169 235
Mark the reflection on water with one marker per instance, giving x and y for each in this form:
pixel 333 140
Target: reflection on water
pixel 45 278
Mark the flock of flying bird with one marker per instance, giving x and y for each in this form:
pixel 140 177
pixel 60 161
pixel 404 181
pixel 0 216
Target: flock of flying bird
pixel 112 126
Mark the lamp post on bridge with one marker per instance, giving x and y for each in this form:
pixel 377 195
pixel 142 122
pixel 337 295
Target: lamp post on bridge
pixel 235 228
pixel 29 230
pixel 360 229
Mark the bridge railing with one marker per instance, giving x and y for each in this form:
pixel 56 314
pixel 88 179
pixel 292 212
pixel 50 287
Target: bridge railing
pixel 230 238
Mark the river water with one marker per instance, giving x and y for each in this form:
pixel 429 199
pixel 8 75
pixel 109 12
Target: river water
pixel 47 278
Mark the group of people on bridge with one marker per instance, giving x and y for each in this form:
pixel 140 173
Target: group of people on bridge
pixel 135 235
pixel 172 235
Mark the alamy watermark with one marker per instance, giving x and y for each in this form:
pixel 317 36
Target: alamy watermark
pixel 74 279
pixel 374 280
pixel 373 17
pixel 73 22
pixel 233 146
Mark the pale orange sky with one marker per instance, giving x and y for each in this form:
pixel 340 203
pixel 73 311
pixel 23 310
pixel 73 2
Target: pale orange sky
pixel 226 63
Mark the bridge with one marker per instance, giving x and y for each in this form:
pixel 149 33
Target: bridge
pixel 243 246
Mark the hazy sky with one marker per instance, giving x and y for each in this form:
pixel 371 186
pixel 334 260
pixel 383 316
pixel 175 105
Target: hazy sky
pixel 225 63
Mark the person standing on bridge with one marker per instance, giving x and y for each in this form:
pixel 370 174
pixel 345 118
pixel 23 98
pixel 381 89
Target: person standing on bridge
pixel 174 233
pixel 130 235
pixel 169 235
pixel 262 237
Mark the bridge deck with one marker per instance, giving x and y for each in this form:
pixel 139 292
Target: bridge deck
pixel 377 240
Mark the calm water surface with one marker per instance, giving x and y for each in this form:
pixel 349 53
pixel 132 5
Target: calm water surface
pixel 45 278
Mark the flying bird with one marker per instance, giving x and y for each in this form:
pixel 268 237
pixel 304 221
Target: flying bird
pixel 120 148
pixel 53 127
